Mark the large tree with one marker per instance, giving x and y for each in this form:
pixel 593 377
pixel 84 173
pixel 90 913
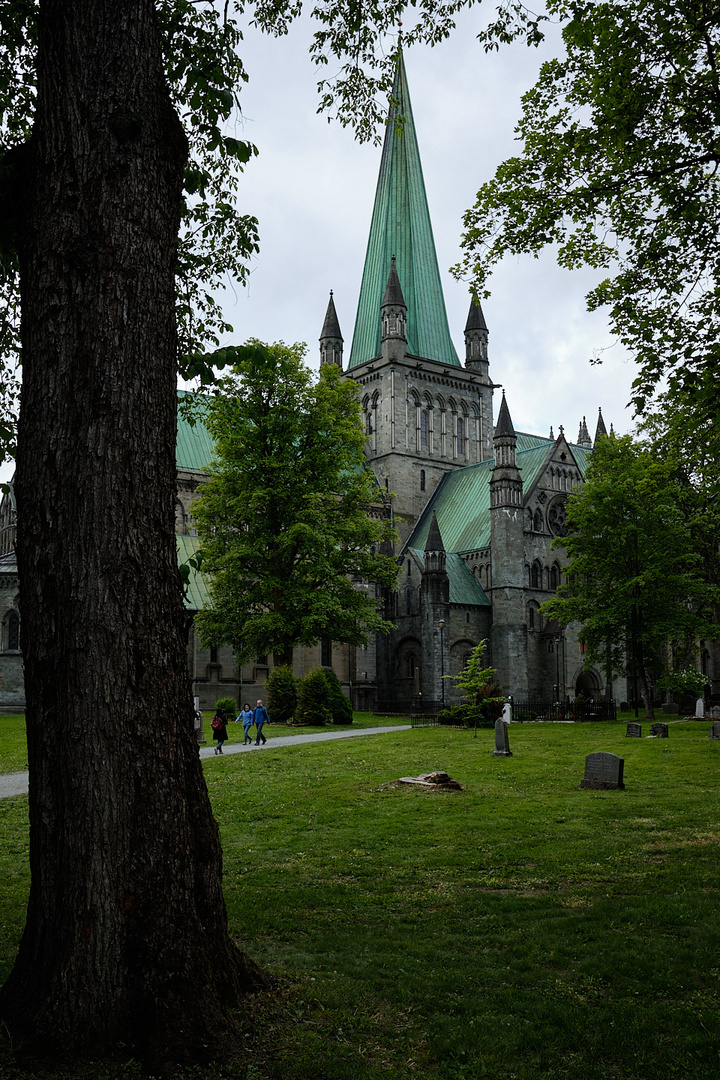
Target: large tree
pixel 619 168
pixel 636 581
pixel 292 518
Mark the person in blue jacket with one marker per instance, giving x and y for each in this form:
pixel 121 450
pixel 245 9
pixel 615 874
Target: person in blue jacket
pixel 246 715
pixel 260 716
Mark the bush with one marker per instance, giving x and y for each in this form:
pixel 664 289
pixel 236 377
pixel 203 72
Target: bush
pixel 281 694
pixel 338 703
pixel 455 716
pixel 227 706
pixel 313 699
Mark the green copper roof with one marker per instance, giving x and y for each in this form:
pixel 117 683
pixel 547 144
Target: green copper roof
pixel 194 448
pixel 464 588
pixel 401 227
pixel 196 594
pixel 461 501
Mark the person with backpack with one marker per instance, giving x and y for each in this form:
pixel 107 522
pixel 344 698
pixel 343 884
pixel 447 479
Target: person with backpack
pixel 260 716
pixel 246 715
pixel 219 730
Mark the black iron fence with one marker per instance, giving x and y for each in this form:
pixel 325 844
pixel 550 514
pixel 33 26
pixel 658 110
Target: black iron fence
pixel 572 710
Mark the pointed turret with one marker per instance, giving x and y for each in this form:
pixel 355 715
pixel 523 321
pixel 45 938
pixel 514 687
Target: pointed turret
pixel 401 227
pixel 600 429
pixel 504 427
pixel 434 543
pixel 476 339
pixel 393 316
pixel 584 435
pixel 331 340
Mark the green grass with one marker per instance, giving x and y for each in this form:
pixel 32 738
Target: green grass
pixel 522 928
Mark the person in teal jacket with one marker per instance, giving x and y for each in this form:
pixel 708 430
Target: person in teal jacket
pixel 260 716
pixel 246 715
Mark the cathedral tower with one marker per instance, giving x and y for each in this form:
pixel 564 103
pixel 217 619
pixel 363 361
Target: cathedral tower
pixel 424 413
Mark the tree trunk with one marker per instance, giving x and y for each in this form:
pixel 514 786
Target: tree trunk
pixel 126 940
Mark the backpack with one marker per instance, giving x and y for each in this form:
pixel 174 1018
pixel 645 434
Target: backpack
pixel 216 724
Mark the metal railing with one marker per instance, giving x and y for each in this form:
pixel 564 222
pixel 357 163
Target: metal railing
pixel 572 710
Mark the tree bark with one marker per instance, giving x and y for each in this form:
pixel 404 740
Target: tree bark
pixel 126 940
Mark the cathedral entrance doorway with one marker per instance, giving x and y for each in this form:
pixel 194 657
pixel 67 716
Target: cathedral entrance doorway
pixel 587 684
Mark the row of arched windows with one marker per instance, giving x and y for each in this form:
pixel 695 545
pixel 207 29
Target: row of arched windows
pixel 544 577
pixel 563 479
pixel 447 428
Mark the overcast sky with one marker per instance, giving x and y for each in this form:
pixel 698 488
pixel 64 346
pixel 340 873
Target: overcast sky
pixel 312 189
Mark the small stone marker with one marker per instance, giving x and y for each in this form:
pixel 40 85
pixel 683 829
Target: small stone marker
pixel 502 740
pixel 634 731
pixel 700 707
pixel 715 712
pixel 660 731
pixel 507 713
pixel 715 729
pixel 603 772
pixel 438 780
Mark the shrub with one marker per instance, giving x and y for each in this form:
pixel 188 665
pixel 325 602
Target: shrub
pixel 281 693
pixel 312 704
pixel 227 706
pixel 454 716
pixel 338 703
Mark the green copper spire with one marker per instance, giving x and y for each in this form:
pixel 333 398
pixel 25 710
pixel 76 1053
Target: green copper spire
pixel 401 227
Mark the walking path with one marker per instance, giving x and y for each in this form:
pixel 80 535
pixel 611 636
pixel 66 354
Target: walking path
pixel 17 783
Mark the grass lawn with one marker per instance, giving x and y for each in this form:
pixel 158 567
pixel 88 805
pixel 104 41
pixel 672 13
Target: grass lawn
pixel 520 929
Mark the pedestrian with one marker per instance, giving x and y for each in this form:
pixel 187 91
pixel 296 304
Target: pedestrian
pixel 219 730
pixel 246 715
pixel 260 717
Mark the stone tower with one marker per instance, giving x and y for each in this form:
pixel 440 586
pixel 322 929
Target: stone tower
pixel 424 413
pixel 435 607
pixel 509 628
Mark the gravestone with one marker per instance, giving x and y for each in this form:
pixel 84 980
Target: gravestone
pixel 634 731
pixel 502 740
pixel 715 729
pixel 603 772
pixel 715 712
pixel 507 713
pixel 660 731
pixel 700 707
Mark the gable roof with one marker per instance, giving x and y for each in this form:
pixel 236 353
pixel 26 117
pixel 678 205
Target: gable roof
pixel 461 501
pixel 401 227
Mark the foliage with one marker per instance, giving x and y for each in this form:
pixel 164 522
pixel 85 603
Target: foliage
pixel 227 706
pixel 338 703
pixel 313 704
pixel 292 517
pixel 684 681
pixel 619 169
pixel 281 691
pixel 485 699
pixel 635 579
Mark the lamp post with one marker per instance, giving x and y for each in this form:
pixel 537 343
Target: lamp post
pixel 441 624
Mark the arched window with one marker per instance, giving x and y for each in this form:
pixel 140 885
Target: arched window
pixel 408 602
pixel 326 652
pixel 537 521
pixel 13 631
pixel 553 577
pixel 535 576
pixel 423 429
pixel 422 479
pixel 411 665
pixel 460 436
pixel 531 618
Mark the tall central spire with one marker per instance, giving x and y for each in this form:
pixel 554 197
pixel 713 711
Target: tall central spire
pixel 401 227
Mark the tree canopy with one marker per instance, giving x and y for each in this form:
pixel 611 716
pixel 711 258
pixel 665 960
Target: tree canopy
pixel 292 517
pixel 636 582
pixel 619 168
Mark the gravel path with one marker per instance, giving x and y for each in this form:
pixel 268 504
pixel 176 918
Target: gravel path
pixel 17 783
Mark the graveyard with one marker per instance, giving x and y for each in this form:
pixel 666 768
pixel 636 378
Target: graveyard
pixel 517 925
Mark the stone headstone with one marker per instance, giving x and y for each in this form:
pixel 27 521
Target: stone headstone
pixel 507 713
pixel 715 712
pixel 660 731
pixel 603 772
pixel 502 740
pixel 634 731
pixel 715 729
pixel 700 707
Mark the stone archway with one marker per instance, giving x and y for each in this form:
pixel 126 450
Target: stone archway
pixel 587 684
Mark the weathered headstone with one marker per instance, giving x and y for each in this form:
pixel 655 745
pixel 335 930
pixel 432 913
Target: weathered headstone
pixel 660 731
pixel 715 712
pixel 603 772
pixel 634 731
pixel 502 740
pixel 700 707
pixel 507 713
pixel 715 729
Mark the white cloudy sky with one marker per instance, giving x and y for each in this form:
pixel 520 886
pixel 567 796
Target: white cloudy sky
pixel 312 188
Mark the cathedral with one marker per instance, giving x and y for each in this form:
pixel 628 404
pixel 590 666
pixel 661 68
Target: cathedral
pixel 476 504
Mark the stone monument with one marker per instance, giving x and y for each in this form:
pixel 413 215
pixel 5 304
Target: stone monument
pixel 715 729
pixel 507 713
pixel 502 740
pixel 603 772
pixel 660 731
pixel 634 731
pixel 700 707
